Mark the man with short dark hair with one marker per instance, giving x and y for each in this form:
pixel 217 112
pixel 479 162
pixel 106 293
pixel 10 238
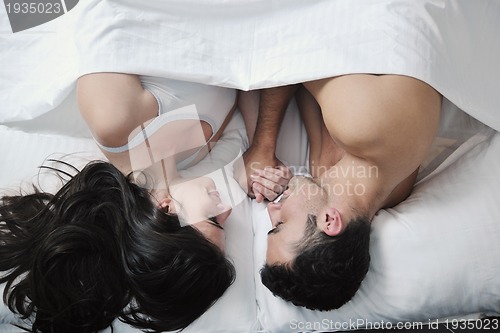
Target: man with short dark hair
pixel 368 135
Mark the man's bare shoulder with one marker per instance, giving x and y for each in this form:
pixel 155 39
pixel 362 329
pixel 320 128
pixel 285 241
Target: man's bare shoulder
pixel 379 116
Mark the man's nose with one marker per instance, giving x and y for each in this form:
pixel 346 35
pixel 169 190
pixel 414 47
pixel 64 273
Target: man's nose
pixel 225 212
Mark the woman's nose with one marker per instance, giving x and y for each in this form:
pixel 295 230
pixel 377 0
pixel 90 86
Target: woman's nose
pixel 225 212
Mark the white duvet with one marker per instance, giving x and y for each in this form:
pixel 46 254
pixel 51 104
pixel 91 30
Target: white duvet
pixel 451 44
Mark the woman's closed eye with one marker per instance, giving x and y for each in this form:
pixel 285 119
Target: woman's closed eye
pixel 275 229
pixel 214 222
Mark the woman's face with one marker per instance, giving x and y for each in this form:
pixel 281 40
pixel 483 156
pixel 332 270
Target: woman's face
pixel 197 202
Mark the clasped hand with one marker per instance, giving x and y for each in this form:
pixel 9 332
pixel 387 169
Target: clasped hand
pixel 263 175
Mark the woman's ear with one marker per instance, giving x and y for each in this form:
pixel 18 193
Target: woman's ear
pixel 333 222
pixel 167 205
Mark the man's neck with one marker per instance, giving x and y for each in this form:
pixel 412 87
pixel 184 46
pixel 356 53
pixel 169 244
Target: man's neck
pixel 356 185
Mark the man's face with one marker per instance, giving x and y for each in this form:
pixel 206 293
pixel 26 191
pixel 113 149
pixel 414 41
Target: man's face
pixel 289 218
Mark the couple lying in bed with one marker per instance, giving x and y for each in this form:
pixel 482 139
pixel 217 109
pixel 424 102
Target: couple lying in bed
pixel 133 239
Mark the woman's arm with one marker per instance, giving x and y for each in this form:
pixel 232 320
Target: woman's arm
pixel 113 105
pixel 248 103
pixel 116 108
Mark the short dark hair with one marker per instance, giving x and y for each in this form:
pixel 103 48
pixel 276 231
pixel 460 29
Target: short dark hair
pixel 99 249
pixel 327 272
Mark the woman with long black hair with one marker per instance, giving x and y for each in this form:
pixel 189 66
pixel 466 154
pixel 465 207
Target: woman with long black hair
pixel 128 238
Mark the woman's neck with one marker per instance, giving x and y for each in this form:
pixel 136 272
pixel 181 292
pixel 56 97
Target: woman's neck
pixel 161 174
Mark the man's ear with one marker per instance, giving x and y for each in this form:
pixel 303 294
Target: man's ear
pixel 333 222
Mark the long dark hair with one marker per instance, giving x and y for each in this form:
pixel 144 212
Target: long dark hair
pixel 99 249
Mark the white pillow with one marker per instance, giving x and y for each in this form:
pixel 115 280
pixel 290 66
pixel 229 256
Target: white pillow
pixel 435 255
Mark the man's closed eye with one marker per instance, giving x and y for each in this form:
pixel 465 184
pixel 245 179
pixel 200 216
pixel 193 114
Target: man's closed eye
pixel 275 229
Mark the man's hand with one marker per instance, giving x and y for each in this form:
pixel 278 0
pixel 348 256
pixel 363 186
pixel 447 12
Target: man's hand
pixel 270 182
pixel 263 175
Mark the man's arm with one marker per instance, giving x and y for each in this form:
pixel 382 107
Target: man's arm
pixel 261 181
pixel 272 107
